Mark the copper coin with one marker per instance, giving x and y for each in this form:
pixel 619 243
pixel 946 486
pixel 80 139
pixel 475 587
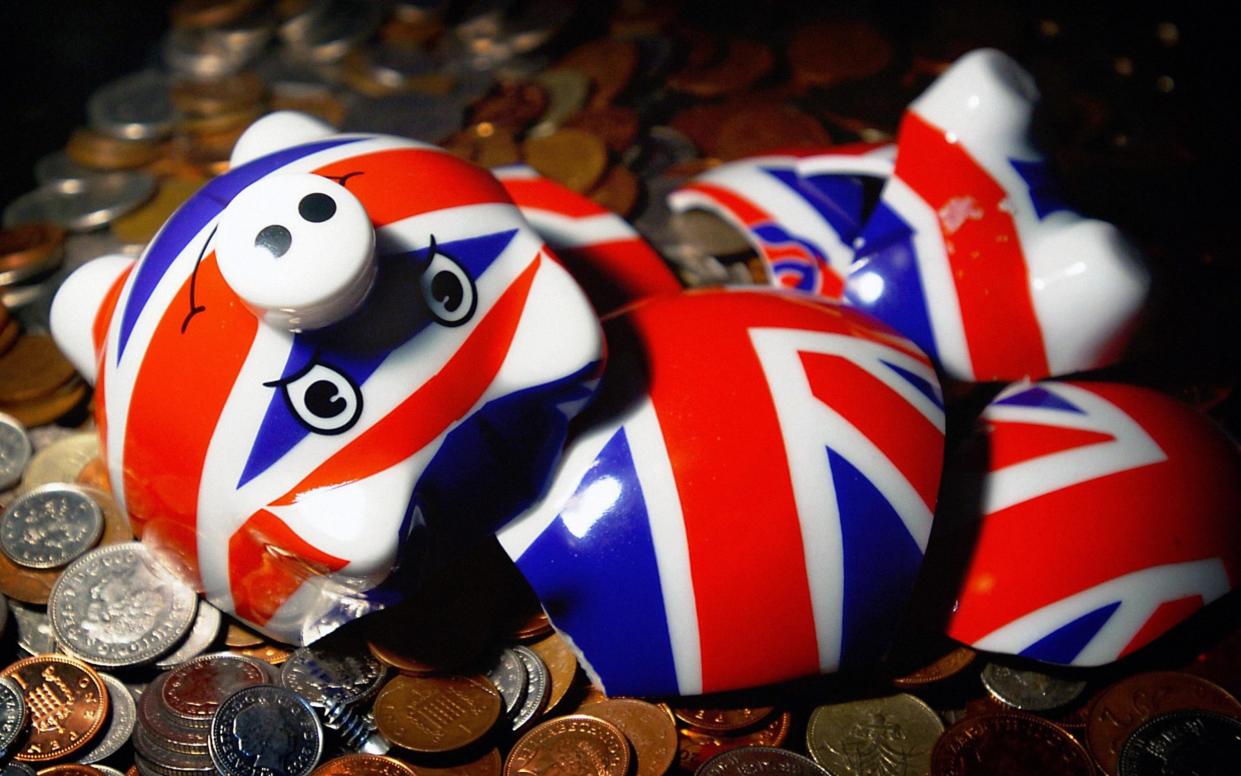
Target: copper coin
pixel 761 759
pixel 948 665
pixel 68 704
pixel 1125 705
pixel 722 720
pixel 239 635
pixel 50 408
pixel 561 666
pixel 437 714
pixel 1011 744
pixel 363 765
pixel 69 769
pixel 576 745
pixel 309 98
pixel 269 653
pixel 33 368
pixel 617 191
pixel 650 728
pixel 828 52
pixel 608 62
pixel 220 130
pixel 694 747
pixel 194 690
pixel 616 125
pixel 28 250
pixel 104 152
pixel 511 105
pixel 701 123
pixel 745 62
pixel 536 626
pixel 200 14
pixel 759 128
pixel 484 144
pixel 8 334
pixel 573 157
pixel 217 95
pixel 489 764
pixel 95 475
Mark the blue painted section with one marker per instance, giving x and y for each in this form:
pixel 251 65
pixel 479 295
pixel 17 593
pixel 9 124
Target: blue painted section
pixel 1044 191
pixel 192 217
pixel 775 235
pixel 392 316
pixel 925 387
pixel 846 193
pixel 805 272
pixel 1040 397
pixel 1064 644
pixel 881 562
pixel 598 578
pixel 844 222
pixel 888 253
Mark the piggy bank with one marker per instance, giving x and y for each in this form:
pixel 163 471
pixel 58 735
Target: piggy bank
pixel 342 353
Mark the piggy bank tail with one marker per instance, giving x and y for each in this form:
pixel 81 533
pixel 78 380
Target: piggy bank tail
pixel 82 310
pixel 605 255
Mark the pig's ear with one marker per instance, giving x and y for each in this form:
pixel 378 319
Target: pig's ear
pixel 77 307
pixel 276 132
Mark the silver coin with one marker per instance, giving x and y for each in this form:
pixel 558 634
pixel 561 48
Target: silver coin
pixel 31 273
pixel 760 759
pixel 13 768
pixel 265 730
pixel 50 526
pixel 1029 690
pixel 202 634
pixel 1182 743
pixel 122 716
pixel 167 759
pixel 107 770
pixel 508 673
pixel 162 729
pixel 326 32
pixel 12 713
pixel 134 107
pixel 57 167
pixel 662 148
pixel 337 672
pixel 200 54
pixel 194 691
pixel 115 606
pixel 82 205
pixel 15 451
pixel 34 630
pixel 538 685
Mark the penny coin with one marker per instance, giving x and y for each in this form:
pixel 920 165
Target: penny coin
pixel 538 687
pixel 569 156
pixel 134 107
pixel 15 451
pixel 828 52
pixel 194 691
pixel 579 743
pixel 164 731
pixel 239 635
pixel 263 730
pixel 1014 744
pixel 949 665
pixel 72 704
pixel 202 634
pixel 83 205
pixel 268 653
pixel 70 769
pixel 510 105
pixel 114 606
pixel 484 144
pixel 142 224
pixel 761 127
pixel 28 251
pixel 50 526
pixel 694 747
pixel 61 461
pixel 34 631
pixel 1029 690
pixel 650 728
pixel 617 191
pixel 1125 705
pixel 9 332
pixel 51 407
pixel 364 765
pixel 488 764
pixel 95 475
pixel 745 62
pixel 103 152
pixel 899 730
pixel 608 62
pixel 12 714
pixel 437 714
pixel 722 720
pixel 1183 743
pixel 561 665
pixel 333 671
pixel 33 368
pixel 760 759
pixel 218 95
pixel 615 125
pixel 508 673
pixel 122 716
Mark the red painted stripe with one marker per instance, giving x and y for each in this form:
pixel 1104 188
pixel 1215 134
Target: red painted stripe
pixel 186 376
pixel 743 209
pixel 1012 443
pixel 544 194
pixel 1168 615
pixel 1002 332
pixel 99 333
pixel 440 402
pixel 268 562
pixel 884 416
pixel 618 272
pixel 404 182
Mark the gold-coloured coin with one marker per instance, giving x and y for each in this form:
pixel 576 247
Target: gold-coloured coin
pixel 269 653
pixel 484 144
pixel 239 635
pixel 61 461
pixel 569 156
pixel 695 747
pixel 51 407
pixel 142 224
pixel 561 666
pixel 33 367
pixel 95 475
pixel 616 125
pixel 490 763
pixel 218 95
pixel 948 665
pixel 104 152
pixel 437 713
pixel 714 720
pixel 840 736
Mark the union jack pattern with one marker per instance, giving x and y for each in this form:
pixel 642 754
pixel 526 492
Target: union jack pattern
pixel 765 493
pixel 196 397
pixel 1078 559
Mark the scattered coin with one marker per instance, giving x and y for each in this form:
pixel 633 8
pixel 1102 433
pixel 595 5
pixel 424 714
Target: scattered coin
pixel 722 720
pixel 122 716
pixel 12 714
pixel 15 451
pixel 570 156
pixel 566 94
pixel 1182 743
pixel 695 747
pixel 33 368
pixel 1010 743
pixel 617 126
pixel 333 671
pixel 202 634
pixel 82 205
pixel 617 191
pixel 98 151
pixel 263 730
pixel 846 738
pixel 194 691
pixel 29 251
pixel 62 460
pixel 577 738
pixel 57 167
pixel 944 667
pixel 759 128
pixel 50 407
pixel 828 52
pixel 745 62
pixel 511 105
pixel 1029 690
pixel 608 62
pixel 437 714
pixel 134 107
pixel 72 704
pixel 484 144
pixel 508 673
pixel 561 665
pixel 50 526
pixel 760 759
pixel 538 687
pixel 650 728
pixel 364 765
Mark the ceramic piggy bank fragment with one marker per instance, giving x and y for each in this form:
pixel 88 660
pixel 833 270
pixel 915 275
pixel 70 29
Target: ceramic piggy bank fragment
pixel 969 252
pixel 1105 515
pixel 747 500
pixel 346 349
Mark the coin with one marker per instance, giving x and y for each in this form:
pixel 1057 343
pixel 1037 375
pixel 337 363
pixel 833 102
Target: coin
pixel 134 107
pixel 364 765
pixel 508 673
pixel 1183 742
pixel 28 251
pixel 561 664
pixel 761 127
pixel 202 635
pixel 617 191
pixel 9 332
pixel 50 407
pixel 1011 743
pixel 1029 690
pixel 314 99
pixel 898 730
pixel 722 720
pixel 263 730
pixel 827 52
pixel 57 167
pixel 122 716
pixel 437 714
pixel 490 763
pixel 760 759
pixel 12 714
pixel 218 95
pixel 592 745
pixel 608 62
pixel 1125 705
pixel 948 665
pixel 33 368
pixel 210 13
pixel 694 747
pixel 50 526
pixel 72 704
pixel 239 635
pixel 484 144
pixel 616 125
pixel 194 691
pixel 34 631
pixel 745 62
pixel 15 451
pixel 98 151
pixel 538 687
pixel 566 94
pixel 80 206
pixel 510 105
pixel 12 768
pixel 333 671
pixel 142 224
pixel 572 157
pixel 650 728
pixel 114 606
pixel 70 769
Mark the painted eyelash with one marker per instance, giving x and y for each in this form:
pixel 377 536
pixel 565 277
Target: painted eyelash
pixel 197 308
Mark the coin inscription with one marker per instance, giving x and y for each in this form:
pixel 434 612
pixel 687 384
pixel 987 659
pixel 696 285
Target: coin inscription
pixel 50 526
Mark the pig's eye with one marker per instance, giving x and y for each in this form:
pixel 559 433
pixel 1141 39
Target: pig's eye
pixel 323 399
pixel 448 290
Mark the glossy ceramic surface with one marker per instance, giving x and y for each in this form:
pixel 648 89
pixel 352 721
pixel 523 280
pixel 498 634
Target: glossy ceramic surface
pixel 1109 513
pixel 748 499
